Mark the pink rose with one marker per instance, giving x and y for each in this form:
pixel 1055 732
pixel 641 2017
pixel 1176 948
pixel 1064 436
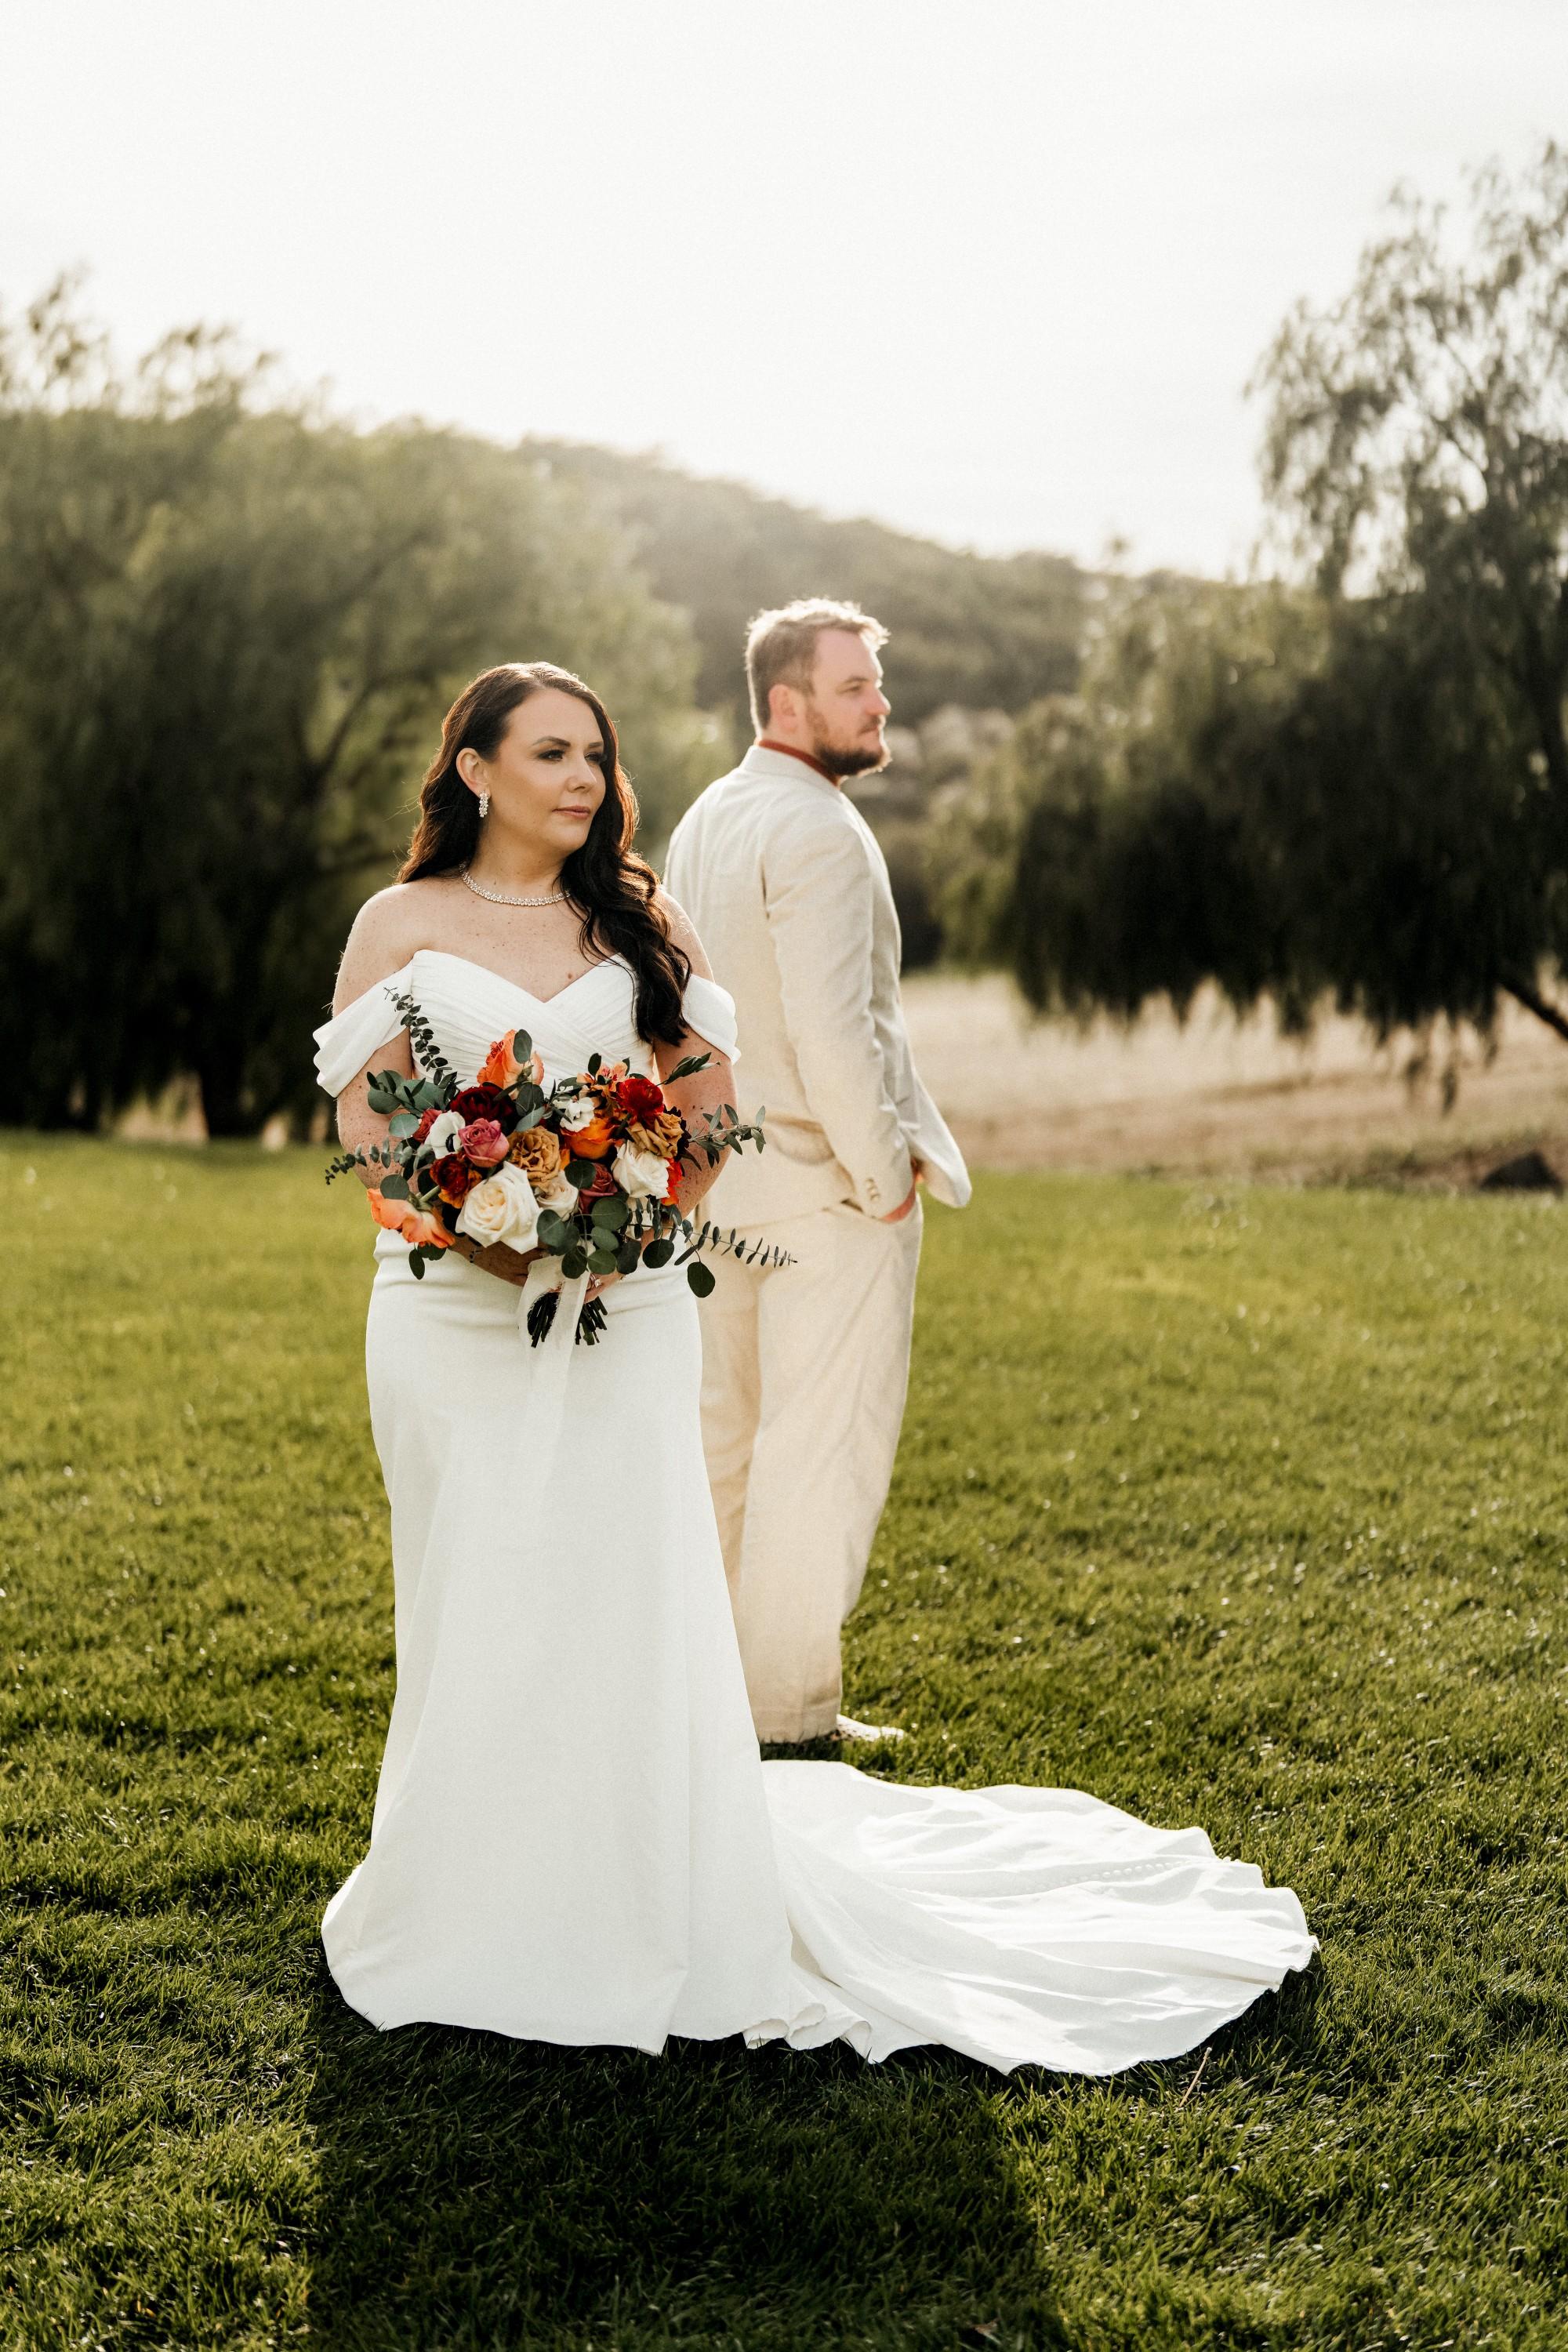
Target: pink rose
pixel 483 1141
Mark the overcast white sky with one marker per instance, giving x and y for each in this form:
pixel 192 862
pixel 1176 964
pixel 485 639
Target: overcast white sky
pixel 993 270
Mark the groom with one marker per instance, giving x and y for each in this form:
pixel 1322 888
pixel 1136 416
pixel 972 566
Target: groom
pixel 805 1366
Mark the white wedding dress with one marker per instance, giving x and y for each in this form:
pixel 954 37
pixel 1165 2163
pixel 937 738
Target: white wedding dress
pixel 574 1838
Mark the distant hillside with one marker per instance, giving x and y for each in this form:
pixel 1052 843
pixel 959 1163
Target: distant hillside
pixel 992 632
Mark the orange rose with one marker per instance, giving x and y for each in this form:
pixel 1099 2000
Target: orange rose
pixel 419 1230
pixel 425 1231
pixel 502 1068
pixel 389 1213
pixel 591 1142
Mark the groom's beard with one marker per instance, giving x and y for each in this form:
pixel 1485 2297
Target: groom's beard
pixel 861 757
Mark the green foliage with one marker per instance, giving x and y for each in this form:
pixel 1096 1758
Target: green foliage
pixel 229 625
pixel 1362 797
pixel 1103 855
pixel 981 630
pixel 228 629
pixel 1294 1572
pixel 1308 802
pixel 906 845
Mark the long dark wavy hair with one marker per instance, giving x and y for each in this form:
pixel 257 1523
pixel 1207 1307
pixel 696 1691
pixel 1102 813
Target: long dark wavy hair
pixel 607 885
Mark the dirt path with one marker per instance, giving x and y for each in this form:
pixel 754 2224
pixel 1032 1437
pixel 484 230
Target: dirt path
pixel 1222 1098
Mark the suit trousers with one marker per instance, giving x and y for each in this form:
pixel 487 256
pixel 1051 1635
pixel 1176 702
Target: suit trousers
pixel 804 1370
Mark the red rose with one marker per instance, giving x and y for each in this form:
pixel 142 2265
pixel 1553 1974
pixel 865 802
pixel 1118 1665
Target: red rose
pixel 426 1124
pixel 486 1102
pixel 454 1177
pixel 640 1098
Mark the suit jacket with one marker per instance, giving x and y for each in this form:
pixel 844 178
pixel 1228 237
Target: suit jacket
pixel 789 892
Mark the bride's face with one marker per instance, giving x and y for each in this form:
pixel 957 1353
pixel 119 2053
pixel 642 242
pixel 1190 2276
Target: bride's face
pixel 545 780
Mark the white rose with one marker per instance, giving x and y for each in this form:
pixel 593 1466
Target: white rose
pixel 502 1208
pixel 558 1194
pixel 442 1136
pixel 641 1174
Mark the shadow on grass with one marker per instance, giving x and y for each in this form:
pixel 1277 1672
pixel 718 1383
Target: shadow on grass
pixel 475 2191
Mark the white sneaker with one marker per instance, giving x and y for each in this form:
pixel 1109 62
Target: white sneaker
pixel 847 1728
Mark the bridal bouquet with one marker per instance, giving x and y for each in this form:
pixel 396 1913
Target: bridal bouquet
pixel 586 1173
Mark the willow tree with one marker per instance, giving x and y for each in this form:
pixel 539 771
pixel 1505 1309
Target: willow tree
pixel 1354 788
pixel 228 625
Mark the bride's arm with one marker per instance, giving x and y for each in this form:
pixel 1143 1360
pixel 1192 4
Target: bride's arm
pixel 379 945
pixel 711 1088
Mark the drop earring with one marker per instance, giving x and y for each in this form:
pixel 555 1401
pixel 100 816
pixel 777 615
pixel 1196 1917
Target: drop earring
pixel 484 806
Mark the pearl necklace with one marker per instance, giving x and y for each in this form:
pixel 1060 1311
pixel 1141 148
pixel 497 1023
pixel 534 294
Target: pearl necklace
pixel 500 899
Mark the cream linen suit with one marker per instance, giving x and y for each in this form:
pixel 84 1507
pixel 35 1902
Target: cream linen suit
pixel 805 1367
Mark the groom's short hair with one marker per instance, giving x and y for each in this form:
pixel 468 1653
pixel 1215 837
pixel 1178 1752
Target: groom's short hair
pixel 780 646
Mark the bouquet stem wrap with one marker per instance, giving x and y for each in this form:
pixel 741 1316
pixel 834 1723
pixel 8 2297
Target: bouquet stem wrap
pixel 552 1368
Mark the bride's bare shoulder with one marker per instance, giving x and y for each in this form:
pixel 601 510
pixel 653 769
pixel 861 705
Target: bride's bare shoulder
pixel 386 931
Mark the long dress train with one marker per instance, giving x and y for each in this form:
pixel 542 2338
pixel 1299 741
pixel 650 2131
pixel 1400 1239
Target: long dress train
pixel 574 1839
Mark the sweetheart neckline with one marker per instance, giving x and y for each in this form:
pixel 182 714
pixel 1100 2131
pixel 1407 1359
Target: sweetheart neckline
pixel 544 1002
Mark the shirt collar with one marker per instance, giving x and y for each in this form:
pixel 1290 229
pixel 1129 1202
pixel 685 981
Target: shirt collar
pixel 788 751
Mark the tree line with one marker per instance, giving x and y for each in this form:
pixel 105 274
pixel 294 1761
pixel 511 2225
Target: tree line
pixel 229 625
pixel 981 632
pixel 1347 784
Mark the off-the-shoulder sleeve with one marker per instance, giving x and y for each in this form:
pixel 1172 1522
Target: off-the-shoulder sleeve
pixel 711 1012
pixel 345 1043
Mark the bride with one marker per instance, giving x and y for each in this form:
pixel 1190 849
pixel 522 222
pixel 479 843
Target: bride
pixel 574 1840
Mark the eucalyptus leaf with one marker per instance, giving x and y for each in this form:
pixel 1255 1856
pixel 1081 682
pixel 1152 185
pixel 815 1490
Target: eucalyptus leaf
pixel 573 1264
pixel 404 1123
pixel 602 1261
pixel 700 1277
pixel 658 1253
pixel 394 1187
pixel 416 1266
pixel 689 1067
pixel 629 1257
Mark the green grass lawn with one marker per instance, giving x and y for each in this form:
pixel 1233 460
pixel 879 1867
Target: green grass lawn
pixel 1244 1508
